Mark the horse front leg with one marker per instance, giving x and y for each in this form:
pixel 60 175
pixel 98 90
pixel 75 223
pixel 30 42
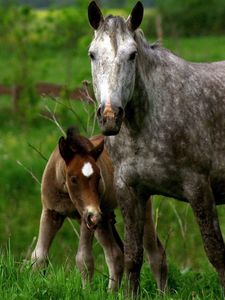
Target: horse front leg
pixel 200 196
pixel 154 249
pixel 50 223
pixel 109 239
pixel 132 204
pixel 84 256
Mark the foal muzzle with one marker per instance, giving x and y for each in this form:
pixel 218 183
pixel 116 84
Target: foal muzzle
pixel 110 119
pixel 92 219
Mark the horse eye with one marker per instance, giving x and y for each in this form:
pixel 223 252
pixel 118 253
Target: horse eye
pixel 133 55
pixel 91 55
pixel 73 179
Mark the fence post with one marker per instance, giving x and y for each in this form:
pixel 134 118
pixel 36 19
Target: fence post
pixel 16 93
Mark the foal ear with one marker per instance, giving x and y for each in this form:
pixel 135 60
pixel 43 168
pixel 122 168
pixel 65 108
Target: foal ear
pixel 95 15
pixel 96 152
pixel 136 16
pixel 65 150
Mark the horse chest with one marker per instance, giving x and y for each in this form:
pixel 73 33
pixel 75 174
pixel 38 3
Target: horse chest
pixel 132 160
pixel 149 163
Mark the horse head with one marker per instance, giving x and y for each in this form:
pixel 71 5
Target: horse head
pixel 113 53
pixel 82 174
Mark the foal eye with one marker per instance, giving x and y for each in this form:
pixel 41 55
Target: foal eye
pixel 133 55
pixel 73 179
pixel 91 55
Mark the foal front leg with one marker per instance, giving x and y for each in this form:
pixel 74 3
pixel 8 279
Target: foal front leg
pixel 202 201
pixel 50 223
pixel 106 235
pixel 154 249
pixel 133 204
pixel 84 256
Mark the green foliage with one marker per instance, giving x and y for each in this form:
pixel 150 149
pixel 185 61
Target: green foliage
pixel 26 34
pixel 192 17
pixel 148 24
pixel 61 28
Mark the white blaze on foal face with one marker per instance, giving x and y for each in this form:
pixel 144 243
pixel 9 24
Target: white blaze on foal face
pixel 82 182
pixel 87 169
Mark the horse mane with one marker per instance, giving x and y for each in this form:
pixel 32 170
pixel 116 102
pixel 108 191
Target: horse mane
pixel 141 40
pixel 112 28
pixel 96 139
pixel 118 23
pixel 155 51
pixel 77 142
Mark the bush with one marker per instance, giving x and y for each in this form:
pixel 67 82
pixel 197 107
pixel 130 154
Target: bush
pixel 192 17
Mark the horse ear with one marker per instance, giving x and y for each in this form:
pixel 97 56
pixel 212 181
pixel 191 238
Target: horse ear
pixel 96 152
pixel 136 16
pixel 65 150
pixel 94 15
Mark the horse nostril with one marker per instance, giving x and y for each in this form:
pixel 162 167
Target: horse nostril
pixel 100 110
pixel 104 120
pixel 120 112
pixel 92 220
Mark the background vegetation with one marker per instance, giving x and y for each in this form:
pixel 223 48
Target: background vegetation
pixel 192 17
pixel 51 46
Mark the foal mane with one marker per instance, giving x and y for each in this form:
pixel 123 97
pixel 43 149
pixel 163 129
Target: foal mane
pixel 77 142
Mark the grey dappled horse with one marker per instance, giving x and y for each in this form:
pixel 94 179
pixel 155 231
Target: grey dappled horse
pixel 165 118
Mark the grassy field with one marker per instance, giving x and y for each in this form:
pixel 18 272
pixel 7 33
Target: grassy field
pixel 63 282
pixel 20 205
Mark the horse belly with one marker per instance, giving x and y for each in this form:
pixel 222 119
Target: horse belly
pixel 218 187
pixel 169 180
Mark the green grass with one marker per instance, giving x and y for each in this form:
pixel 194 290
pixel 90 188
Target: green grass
pixel 20 204
pixel 18 281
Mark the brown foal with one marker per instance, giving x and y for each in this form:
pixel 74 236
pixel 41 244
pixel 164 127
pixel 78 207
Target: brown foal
pixel 78 183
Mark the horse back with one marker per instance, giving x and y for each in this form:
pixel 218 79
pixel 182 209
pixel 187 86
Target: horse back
pixel 54 195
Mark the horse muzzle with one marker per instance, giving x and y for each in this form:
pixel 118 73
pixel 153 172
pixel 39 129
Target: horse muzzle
pixel 92 219
pixel 110 119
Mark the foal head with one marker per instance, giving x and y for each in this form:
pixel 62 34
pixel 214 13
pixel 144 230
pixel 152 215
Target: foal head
pixel 113 54
pixel 82 174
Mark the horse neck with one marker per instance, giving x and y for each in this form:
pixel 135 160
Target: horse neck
pixel 154 66
pixel 138 107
